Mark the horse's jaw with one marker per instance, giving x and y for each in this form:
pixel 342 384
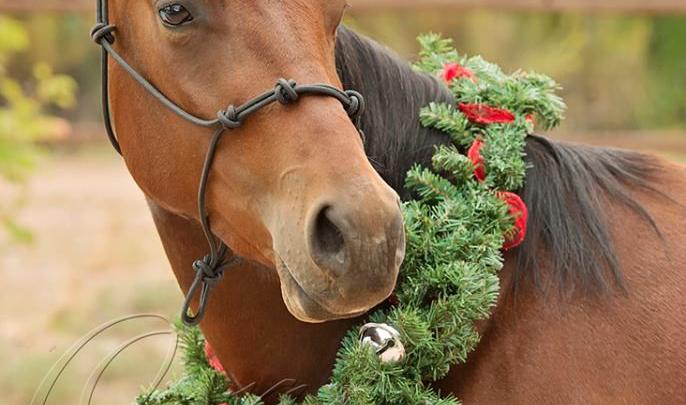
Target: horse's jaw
pixel 301 304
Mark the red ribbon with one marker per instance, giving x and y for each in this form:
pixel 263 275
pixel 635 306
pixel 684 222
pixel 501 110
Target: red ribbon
pixel 485 114
pixel 520 213
pixel 452 71
pixel 213 359
pixel 474 154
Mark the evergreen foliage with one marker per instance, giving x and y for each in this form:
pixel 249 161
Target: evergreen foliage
pixel 455 233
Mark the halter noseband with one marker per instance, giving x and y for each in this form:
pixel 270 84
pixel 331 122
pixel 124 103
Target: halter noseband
pixel 210 270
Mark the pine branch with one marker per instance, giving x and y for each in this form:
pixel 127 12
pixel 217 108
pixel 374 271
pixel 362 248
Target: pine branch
pixel 446 118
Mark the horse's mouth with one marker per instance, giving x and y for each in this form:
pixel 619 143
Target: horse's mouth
pixel 301 304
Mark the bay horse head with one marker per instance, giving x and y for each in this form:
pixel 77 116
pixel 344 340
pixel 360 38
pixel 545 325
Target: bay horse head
pixel 292 187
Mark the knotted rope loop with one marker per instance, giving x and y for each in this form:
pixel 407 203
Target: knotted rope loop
pixel 103 31
pixel 285 91
pixel 208 273
pixel 229 118
pixel 356 104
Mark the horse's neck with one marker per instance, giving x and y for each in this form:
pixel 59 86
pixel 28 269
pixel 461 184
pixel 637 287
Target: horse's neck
pixel 395 94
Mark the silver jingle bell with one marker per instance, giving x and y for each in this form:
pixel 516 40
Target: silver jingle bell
pixel 384 340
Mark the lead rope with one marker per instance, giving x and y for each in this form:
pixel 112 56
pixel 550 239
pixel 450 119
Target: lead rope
pixel 209 271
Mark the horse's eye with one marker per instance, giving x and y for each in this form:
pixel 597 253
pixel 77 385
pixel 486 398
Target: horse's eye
pixel 175 14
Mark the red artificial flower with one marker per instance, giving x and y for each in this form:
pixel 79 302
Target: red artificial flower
pixel 485 114
pixel 213 359
pixel 474 154
pixel 520 213
pixel 452 71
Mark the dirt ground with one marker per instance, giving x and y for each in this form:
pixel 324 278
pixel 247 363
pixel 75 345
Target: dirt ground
pixel 95 256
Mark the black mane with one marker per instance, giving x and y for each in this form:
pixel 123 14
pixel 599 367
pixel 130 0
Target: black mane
pixel 394 94
pixel 568 185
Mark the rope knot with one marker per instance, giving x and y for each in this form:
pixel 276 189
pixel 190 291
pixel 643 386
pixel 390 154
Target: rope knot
pixel 356 104
pixel 285 91
pixel 210 274
pixel 229 118
pixel 103 31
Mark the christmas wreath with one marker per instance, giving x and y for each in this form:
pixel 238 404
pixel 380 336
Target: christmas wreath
pixel 465 214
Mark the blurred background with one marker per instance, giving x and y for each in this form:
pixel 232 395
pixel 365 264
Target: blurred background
pixel 77 245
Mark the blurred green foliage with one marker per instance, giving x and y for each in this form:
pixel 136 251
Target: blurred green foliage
pixel 667 80
pixel 23 114
pixel 23 104
pixel 619 72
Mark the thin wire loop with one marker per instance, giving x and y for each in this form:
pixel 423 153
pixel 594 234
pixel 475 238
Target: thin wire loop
pixel 102 367
pixel 285 382
pixel 69 355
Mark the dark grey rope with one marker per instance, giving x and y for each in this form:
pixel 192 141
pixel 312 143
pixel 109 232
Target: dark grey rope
pixel 210 270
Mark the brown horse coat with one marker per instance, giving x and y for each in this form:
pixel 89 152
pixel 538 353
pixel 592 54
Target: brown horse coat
pixel 295 185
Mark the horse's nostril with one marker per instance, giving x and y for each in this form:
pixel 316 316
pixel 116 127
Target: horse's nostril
pixel 328 241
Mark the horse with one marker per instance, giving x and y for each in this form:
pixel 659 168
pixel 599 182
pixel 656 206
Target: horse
pixel 592 304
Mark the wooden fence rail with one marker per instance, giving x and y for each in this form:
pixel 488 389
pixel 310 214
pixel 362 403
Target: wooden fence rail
pixel 619 6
